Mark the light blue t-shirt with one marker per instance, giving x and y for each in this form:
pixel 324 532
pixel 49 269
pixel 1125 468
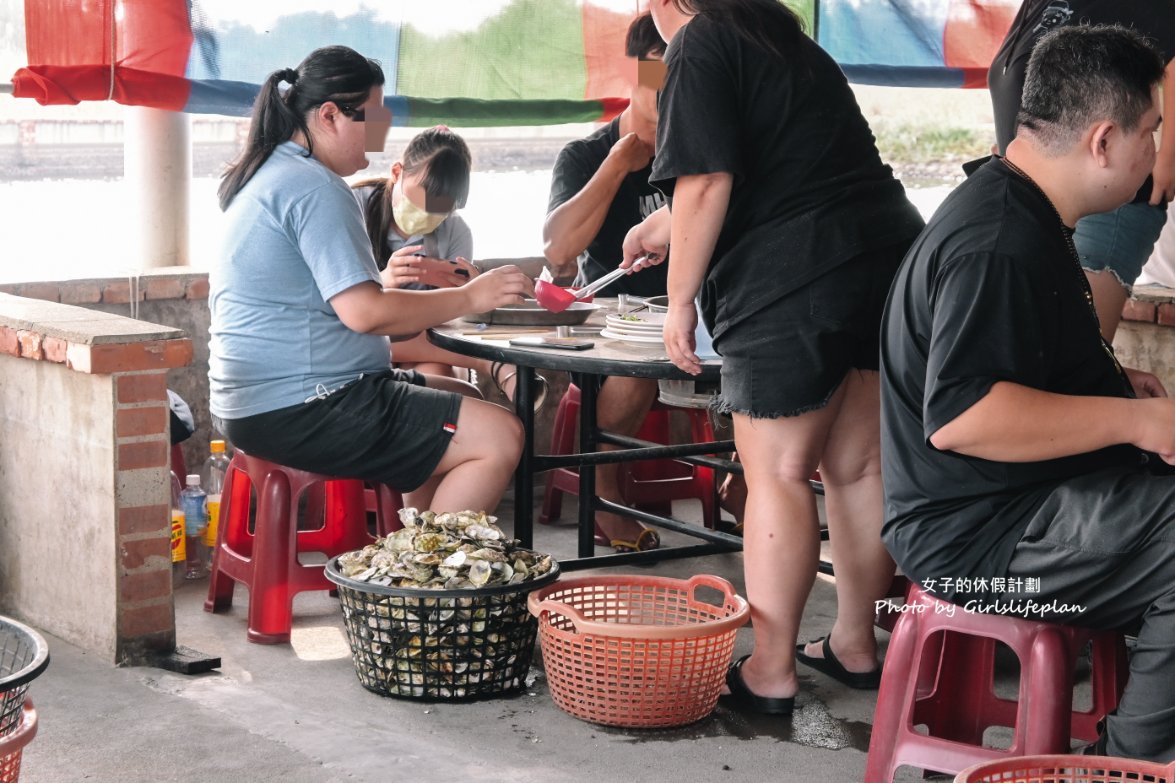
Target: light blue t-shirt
pixel 294 238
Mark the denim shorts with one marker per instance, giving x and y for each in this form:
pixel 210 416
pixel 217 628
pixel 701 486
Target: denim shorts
pixel 386 427
pixel 1120 241
pixel 789 358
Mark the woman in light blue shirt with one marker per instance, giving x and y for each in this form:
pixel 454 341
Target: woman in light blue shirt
pixel 299 370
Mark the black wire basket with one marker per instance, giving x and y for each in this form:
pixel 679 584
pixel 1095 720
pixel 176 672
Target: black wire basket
pixel 451 645
pixel 23 656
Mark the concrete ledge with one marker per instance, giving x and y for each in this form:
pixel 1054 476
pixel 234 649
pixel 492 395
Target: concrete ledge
pixel 85 340
pixel 85 526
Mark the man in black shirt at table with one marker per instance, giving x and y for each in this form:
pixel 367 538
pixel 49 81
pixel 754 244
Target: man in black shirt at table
pixel 1016 460
pixel 599 190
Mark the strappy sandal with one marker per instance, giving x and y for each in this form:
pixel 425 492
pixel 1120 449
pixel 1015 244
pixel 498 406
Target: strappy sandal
pixel 647 540
pixel 831 666
pixel 742 698
pixel 543 386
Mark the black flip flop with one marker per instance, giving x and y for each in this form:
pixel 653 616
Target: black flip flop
pixel 864 681
pixel 742 697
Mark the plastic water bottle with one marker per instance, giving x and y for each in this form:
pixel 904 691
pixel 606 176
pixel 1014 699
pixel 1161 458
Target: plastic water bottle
pixel 178 550
pixel 212 475
pixel 195 505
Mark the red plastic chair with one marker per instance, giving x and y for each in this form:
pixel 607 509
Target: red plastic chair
pixel 939 672
pixel 265 559
pixel 650 485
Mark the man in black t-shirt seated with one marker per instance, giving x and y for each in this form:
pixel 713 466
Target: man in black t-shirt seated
pixel 599 190
pixel 1018 457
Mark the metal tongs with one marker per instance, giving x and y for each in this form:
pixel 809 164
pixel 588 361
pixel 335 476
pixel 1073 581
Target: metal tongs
pixel 557 299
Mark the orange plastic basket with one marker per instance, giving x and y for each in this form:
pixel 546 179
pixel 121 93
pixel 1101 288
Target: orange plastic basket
pixel 12 744
pixel 637 651
pixel 1067 769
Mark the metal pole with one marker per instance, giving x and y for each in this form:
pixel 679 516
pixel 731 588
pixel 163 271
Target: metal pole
pixel 6 89
pixel 157 158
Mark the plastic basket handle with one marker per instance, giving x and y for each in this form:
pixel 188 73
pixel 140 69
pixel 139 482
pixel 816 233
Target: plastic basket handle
pixel 716 582
pixel 557 607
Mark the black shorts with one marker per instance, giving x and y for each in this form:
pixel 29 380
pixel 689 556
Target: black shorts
pixel 790 357
pixel 386 427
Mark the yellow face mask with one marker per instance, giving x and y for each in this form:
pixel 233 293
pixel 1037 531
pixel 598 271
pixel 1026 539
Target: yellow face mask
pixel 413 220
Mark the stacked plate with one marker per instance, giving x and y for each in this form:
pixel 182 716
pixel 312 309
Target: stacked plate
pixel 643 328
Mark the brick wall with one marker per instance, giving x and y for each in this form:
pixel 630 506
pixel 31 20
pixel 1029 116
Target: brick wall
pixel 1145 339
pixel 84 523
pixel 170 296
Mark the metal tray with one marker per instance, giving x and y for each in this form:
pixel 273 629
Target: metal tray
pixel 529 313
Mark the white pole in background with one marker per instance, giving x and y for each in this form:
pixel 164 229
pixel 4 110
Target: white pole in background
pixel 157 161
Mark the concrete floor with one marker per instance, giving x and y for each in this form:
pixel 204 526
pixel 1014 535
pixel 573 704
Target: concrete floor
pixel 297 714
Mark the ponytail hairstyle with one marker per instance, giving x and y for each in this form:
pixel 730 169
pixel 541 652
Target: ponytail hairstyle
pixel 444 160
pixel 334 74
pixel 768 24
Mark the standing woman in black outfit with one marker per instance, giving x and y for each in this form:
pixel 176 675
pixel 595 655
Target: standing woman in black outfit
pixel 785 220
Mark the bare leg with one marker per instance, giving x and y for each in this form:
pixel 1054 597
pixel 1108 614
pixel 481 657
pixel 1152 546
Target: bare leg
pixel 732 495
pixel 433 368
pixel 621 407
pixel 782 536
pixel 479 463
pixel 419 354
pixel 851 469
pixel 449 383
pixel 1109 296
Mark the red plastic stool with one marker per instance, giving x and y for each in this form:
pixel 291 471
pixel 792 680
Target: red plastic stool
pixel 266 559
pixel 939 672
pixel 650 485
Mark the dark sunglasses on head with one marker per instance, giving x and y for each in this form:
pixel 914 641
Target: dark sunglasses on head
pixel 359 114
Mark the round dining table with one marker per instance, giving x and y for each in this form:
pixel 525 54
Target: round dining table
pixel 607 356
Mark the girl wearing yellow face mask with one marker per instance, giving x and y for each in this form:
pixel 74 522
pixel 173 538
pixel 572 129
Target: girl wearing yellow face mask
pixel 420 242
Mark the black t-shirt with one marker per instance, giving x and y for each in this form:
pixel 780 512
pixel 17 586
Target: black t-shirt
pixel 989 292
pixel 1154 19
pixel 810 190
pixel 634 201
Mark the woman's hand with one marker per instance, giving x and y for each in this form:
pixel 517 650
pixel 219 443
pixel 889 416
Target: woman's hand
pixel 649 238
pixel 680 323
pixel 406 266
pixel 499 287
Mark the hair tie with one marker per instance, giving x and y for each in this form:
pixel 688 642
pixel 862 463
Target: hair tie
pixel 443 128
pixel 289 75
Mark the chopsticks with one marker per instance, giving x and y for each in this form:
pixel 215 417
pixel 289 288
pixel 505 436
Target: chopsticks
pixel 507 332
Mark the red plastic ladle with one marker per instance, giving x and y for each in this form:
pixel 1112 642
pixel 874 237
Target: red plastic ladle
pixel 557 299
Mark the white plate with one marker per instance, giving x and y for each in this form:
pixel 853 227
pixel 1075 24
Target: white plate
pixel 650 320
pixel 631 328
pixel 633 338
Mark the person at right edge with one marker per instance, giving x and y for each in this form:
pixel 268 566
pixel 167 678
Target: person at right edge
pixel 1020 460
pixel 1113 245
pixel 784 216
